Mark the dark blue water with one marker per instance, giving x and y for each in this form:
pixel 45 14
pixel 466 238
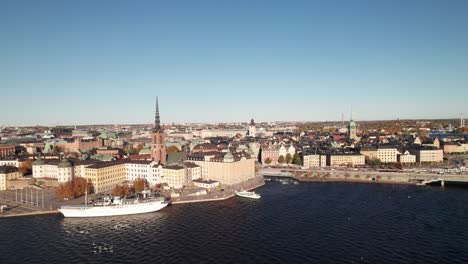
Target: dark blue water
pixel 304 223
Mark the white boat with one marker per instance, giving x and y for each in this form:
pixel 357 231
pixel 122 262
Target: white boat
pixel 247 194
pixel 114 207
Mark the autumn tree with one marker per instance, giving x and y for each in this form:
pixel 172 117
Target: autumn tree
pixel 281 159
pixel 25 167
pixel 288 158
pixel 268 161
pixel 139 185
pixel 297 159
pixel 75 188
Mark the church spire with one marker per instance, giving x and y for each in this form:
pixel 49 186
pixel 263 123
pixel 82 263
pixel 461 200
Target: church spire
pixel 157 122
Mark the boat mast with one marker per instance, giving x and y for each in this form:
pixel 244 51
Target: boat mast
pixel 86 191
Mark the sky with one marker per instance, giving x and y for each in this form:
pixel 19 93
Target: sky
pixel 104 62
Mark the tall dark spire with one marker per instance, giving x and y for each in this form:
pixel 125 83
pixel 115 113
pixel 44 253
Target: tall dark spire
pixel 157 122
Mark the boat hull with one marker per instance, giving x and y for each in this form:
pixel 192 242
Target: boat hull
pixel 250 196
pixel 112 210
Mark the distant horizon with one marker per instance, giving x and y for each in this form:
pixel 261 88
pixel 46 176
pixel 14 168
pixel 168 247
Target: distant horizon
pixel 240 122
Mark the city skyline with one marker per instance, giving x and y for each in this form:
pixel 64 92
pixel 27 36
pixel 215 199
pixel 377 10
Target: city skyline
pixel 211 62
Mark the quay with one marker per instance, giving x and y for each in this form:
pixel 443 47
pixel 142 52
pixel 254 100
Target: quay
pixel 366 176
pixel 229 192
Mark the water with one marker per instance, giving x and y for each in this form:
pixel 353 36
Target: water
pixel 303 223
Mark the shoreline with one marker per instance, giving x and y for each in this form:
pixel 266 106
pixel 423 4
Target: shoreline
pixel 201 200
pixel 30 214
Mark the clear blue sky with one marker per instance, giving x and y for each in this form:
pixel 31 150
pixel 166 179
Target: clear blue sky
pixel 82 62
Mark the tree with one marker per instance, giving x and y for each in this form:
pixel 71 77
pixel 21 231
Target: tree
pixel 117 190
pixel 281 159
pixel 373 161
pixel 25 167
pixel 139 185
pixel 75 188
pixel 172 149
pixel 288 158
pixel 56 150
pixel 297 159
pixel 268 161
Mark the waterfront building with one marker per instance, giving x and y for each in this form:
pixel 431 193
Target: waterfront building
pixel 158 140
pixel 105 175
pixel 227 168
pixel 385 153
pixel 406 158
pixel 8 173
pixel 428 155
pixel 207 184
pixel 270 152
pixel 345 159
pixel 148 170
pixel 61 170
pixel 312 161
pixel 455 147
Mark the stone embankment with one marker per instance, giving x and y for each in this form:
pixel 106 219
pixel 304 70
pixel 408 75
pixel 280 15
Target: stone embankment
pixel 221 194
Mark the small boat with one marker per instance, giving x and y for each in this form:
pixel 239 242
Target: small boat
pixel 247 194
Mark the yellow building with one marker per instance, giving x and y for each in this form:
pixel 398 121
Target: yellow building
pixel 105 175
pixel 455 147
pixel 429 155
pixel 7 173
pixel 311 161
pixel 227 168
pixel 175 176
pixel 385 154
pixel 406 158
pixel 345 159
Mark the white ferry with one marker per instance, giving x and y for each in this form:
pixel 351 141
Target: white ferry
pixel 246 194
pixel 114 206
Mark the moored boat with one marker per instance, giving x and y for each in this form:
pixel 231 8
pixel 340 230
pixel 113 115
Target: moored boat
pixel 246 194
pixel 115 207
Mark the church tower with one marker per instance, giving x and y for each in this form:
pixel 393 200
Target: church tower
pixel 158 139
pixel 252 129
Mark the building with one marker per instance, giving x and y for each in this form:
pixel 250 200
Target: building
pixel 180 175
pixel 8 173
pixel 78 144
pixel 230 133
pixel 207 184
pixel 284 150
pixel 271 153
pixel 10 161
pixel 345 159
pixel 406 158
pixel 252 129
pixel 352 131
pixel 385 153
pixel 62 170
pixel 158 140
pixel 7 150
pixel 455 147
pixel 428 155
pixel 314 161
pixel 105 175
pixel 226 168
pixel 148 170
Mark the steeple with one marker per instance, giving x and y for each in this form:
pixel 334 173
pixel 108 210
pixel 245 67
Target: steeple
pixel 157 122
